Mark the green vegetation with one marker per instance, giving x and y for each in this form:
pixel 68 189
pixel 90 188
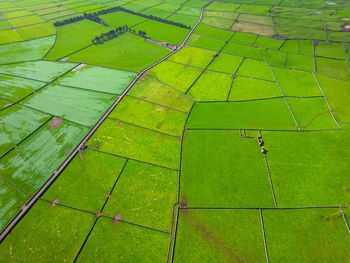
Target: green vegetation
pixel 132 200
pixel 260 114
pixel 206 236
pixel 202 158
pixel 24 51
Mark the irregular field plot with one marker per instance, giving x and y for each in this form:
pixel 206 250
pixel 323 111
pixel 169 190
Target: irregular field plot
pixel 23 51
pixel 124 243
pixel 211 86
pixel 136 143
pixel 128 52
pixel 144 194
pixel 14 88
pixel 231 175
pixel 47 233
pixel 178 76
pixel 16 123
pixel 206 236
pixel 333 68
pixel 149 88
pixel 297 83
pixel 225 63
pixel 39 70
pixel 33 162
pixel 298 179
pixel 337 93
pixel 255 69
pixel 316 235
pixel 245 88
pixel 193 56
pixel 149 115
pixel 260 114
pixel 205 42
pixel 11 201
pixel 97 174
pixel 98 78
pixel 68 41
pixel 312 113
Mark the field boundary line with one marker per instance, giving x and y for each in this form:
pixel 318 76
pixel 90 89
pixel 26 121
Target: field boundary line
pixel 53 177
pixel 346 222
pixel 124 157
pixel 143 127
pixel 271 185
pixel 264 236
pixel 85 240
pixel 325 98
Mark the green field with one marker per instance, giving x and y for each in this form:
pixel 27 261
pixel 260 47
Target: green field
pixel 174 131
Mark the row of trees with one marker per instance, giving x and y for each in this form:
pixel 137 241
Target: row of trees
pixel 116 33
pixel 92 16
pixel 118 8
pixel 95 17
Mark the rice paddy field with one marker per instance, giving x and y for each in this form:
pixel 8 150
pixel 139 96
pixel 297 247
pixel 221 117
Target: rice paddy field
pixel 175 131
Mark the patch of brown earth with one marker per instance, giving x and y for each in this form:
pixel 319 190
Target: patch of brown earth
pixel 117 218
pixel 56 122
pixel 54 202
pixel 66 150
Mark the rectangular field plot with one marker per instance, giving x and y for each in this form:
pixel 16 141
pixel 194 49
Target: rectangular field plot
pixel 193 56
pixel 269 114
pixel 306 235
pixel 297 83
pixel 124 242
pixel 296 61
pixel 255 28
pixel 37 30
pixel 16 123
pixel 211 86
pixel 205 42
pixel 255 69
pixel 312 113
pixel 329 49
pixel 223 6
pixel 11 201
pixel 87 181
pixel 226 63
pixel 14 88
pixel 244 51
pixel 136 143
pixel 333 68
pixel 203 29
pixel 178 76
pixel 30 164
pixel 144 194
pixel 218 22
pixel 150 89
pixel 244 38
pixel 26 20
pixel 219 236
pixel 81 106
pixel 121 19
pixel 127 52
pixel 39 70
pixel 184 19
pixel 98 78
pixel 230 169
pixel 245 88
pixel 47 234
pixel 149 115
pixel 163 32
pixel 337 93
pixel 309 168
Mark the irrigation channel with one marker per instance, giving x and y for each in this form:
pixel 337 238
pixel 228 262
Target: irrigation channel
pixel 35 197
